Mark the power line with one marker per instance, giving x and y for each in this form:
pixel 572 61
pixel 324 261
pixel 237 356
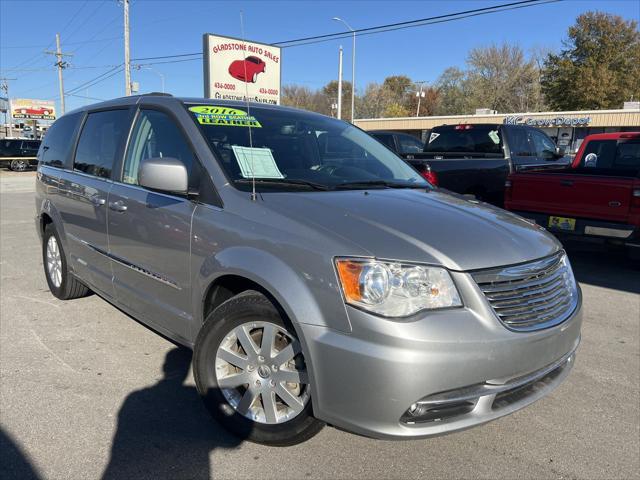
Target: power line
pixel 167 56
pixel 93 12
pixel 417 22
pixel 75 15
pixel 388 27
pixel 94 81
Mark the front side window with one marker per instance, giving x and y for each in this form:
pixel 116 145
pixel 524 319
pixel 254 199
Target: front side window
pixel 410 144
pixel 282 148
pixel 155 136
pixel 544 146
pixel 385 138
pixel 612 154
pixel 99 141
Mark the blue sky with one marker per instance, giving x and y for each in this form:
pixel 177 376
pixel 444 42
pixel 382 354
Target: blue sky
pixel 92 30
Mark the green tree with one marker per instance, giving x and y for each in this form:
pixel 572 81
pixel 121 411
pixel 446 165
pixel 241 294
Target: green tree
pixel 599 66
pixel 330 95
pixel 395 110
pixel 502 78
pixel 452 94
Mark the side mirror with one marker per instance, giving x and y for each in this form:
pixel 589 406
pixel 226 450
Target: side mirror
pixel 591 160
pixel 164 174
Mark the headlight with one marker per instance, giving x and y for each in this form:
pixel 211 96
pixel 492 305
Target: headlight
pixel 394 289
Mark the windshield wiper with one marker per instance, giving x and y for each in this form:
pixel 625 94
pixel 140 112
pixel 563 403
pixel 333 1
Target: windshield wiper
pixel 284 182
pixel 377 183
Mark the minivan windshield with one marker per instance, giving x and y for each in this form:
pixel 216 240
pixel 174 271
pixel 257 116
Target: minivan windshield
pixel 293 150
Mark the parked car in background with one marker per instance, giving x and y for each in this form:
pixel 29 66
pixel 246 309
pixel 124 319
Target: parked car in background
pixel 598 196
pixel 476 158
pixel 331 283
pixel 19 154
pixel 247 70
pixel 401 143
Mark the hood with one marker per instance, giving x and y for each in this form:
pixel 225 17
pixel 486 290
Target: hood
pixel 418 226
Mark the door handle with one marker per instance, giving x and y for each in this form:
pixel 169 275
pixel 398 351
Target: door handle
pixel 566 183
pixel 98 201
pixel 118 206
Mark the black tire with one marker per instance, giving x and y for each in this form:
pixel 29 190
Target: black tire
pixel 70 287
pixel 249 306
pixel 19 165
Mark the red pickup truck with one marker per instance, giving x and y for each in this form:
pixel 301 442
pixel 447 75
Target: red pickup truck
pixel 597 196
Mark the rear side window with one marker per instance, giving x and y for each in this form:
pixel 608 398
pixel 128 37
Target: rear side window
pixel 465 139
pixel 58 140
pixel 9 148
pixel 519 143
pixel 99 142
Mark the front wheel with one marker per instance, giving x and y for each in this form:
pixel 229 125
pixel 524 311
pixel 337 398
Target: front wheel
pixel 19 165
pixel 251 373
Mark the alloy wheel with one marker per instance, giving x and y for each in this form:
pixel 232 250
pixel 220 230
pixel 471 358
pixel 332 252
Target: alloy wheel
pixel 261 373
pixel 54 262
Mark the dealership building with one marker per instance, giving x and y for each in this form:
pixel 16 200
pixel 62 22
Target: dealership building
pixel 567 129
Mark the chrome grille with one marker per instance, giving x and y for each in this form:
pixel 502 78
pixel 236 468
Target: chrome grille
pixel 531 296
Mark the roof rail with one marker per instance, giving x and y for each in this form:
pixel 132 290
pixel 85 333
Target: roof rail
pixel 155 94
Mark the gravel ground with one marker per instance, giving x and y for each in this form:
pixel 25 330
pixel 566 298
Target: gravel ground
pixel 87 392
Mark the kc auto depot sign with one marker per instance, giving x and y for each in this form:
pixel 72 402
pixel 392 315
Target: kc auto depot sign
pixel 547 122
pixel 241 70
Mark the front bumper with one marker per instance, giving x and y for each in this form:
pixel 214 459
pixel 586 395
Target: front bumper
pixel 365 381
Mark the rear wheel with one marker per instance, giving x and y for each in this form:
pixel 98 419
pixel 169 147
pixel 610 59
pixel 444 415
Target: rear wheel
pixel 251 373
pixel 19 165
pixel 61 282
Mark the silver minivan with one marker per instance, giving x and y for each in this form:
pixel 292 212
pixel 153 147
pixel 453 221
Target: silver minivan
pixel 317 277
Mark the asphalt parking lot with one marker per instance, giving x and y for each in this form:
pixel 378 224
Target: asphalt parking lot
pixel 87 392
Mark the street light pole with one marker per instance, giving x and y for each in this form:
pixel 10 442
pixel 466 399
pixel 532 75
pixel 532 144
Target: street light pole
pixel 340 83
pixel 353 68
pixel 419 95
pixel 140 67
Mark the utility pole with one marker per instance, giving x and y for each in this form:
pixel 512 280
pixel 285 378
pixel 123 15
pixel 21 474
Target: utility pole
pixel 340 83
pixel 127 57
pixel 5 87
pixel 61 64
pixel 419 94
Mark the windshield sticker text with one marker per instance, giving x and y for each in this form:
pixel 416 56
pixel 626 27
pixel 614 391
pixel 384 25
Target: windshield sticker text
pixel 230 117
pixel 433 136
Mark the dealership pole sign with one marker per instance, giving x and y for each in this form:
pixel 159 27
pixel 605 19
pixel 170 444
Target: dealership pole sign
pixel 30 109
pixel 241 70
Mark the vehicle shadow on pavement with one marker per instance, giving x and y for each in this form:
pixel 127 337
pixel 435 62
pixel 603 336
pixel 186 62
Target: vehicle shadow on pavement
pixel 164 430
pixel 13 461
pixel 603 266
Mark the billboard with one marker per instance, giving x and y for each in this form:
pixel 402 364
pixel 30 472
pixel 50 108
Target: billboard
pixel 237 69
pixel 30 109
